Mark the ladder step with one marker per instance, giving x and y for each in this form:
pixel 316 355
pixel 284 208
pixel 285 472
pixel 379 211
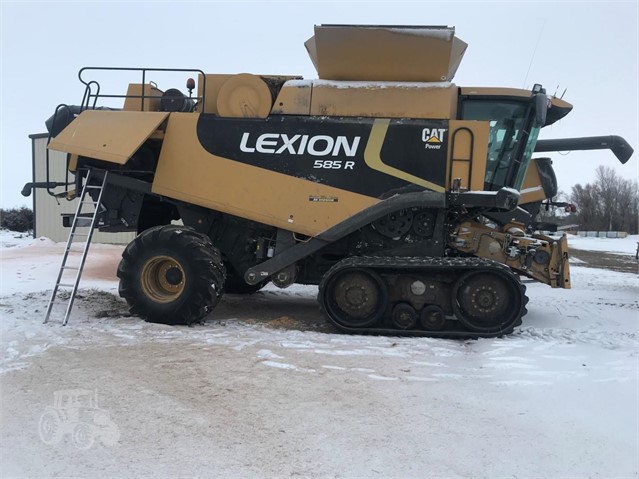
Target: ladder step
pixel 83 222
pixel 80 220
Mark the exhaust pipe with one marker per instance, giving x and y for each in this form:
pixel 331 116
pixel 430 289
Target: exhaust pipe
pixel 620 147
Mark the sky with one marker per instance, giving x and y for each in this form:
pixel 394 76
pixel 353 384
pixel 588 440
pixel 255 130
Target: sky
pixel 587 49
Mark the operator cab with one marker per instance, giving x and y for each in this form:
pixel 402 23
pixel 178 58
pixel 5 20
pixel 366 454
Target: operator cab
pixel 516 118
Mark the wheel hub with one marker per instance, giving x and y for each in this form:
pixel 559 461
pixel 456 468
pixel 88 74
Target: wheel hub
pixel 486 299
pixel 356 295
pixel 162 279
pixel 174 276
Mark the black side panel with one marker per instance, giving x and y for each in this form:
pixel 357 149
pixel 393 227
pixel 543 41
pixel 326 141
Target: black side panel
pixel 547 176
pixel 421 146
pixel 330 151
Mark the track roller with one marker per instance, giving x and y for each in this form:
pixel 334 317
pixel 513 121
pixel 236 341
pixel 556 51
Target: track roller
pixel 432 318
pixel 404 316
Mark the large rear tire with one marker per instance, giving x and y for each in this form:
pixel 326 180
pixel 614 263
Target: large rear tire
pixel 171 275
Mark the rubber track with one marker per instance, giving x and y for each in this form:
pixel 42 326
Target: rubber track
pixel 423 266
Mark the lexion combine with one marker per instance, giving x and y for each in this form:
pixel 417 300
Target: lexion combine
pixel 409 200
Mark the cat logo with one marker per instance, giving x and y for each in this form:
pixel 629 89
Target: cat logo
pixel 433 138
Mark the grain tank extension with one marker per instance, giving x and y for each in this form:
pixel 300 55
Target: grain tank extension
pixel 393 189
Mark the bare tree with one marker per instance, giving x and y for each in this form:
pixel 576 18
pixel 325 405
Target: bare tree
pixel 610 203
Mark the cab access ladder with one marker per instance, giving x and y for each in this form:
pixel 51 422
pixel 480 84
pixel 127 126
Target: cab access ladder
pixel 82 219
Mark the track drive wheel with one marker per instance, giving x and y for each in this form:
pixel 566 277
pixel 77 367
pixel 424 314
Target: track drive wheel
pixel 171 275
pixel 489 301
pixel 354 298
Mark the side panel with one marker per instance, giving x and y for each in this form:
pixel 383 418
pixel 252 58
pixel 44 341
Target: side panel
pixel 107 135
pixel 303 174
pixel 294 98
pixel 188 172
pixel 384 99
pixel 151 101
pixel 335 151
pixel 213 84
pixel 401 154
pixel 532 189
pixel 540 182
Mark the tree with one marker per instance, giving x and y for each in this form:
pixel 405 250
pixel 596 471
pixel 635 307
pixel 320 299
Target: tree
pixel 610 203
pixel 16 219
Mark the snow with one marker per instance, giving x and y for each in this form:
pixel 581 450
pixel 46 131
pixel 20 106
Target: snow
pixel 627 245
pixel 444 34
pixel 264 389
pixel 378 85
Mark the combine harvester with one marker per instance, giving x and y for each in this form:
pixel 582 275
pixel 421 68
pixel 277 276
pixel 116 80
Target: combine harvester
pixel 408 199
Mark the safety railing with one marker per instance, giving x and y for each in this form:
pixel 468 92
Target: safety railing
pixel 92 87
pixel 92 93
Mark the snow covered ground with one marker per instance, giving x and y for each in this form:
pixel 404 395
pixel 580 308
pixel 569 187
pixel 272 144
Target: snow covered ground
pixel 627 245
pixel 264 389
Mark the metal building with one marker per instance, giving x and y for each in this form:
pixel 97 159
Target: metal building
pixel 47 210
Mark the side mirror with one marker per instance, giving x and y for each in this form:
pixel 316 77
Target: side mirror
pixel 541 109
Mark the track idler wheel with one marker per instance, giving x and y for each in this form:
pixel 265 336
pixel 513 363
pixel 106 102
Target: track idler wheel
pixel 355 298
pixel 432 318
pixel 404 316
pixel 488 301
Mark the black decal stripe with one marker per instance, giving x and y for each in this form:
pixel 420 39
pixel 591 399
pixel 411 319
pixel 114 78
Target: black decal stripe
pixel 223 136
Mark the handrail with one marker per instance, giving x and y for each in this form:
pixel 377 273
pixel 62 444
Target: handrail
pixel 469 159
pixel 49 184
pixel 88 94
pixel 90 99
